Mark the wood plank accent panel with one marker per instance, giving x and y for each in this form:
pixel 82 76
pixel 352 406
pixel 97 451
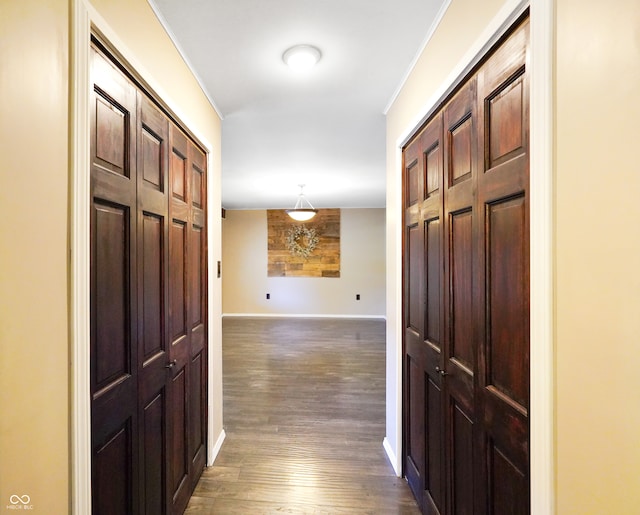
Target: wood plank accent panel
pixel 325 259
pixel 466 293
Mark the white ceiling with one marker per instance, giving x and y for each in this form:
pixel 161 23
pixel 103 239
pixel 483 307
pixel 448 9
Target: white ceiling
pixel 279 129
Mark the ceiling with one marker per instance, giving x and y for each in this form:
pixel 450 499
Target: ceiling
pixel 325 129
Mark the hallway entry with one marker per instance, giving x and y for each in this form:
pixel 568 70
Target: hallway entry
pixel 466 293
pixel 148 300
pixel 304 405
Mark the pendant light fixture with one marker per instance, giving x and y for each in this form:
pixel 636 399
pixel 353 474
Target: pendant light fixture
pixel 300 212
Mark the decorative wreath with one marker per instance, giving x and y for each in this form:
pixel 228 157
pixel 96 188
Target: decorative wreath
pixel 301 241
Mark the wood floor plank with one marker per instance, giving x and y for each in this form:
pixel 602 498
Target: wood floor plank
pixel 304 411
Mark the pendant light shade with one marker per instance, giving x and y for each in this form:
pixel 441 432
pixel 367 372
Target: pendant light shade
pixel 301 213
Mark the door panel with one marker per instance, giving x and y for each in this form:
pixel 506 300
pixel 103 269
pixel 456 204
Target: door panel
pixel 180 335
pixel 414 411
pixel 414 366
pixel 179 458
pixel 152 284
pixel 152 203
pixel 153 148
pixel 461 348
pixel 148 301
pixel 506 112
pixel 460 170
pixel 502 269
pixel 433 257
pixel 462 459
pixel 198 307
pixel 112 136
pixel 414 290
pixel 195 294
pixel 466 293
pixel 423 335
pixel 112 342
pixel 435 481
pixel 461 140
pixel 433 314
pixel 510 485
pixel 187 258
pixel 197 419
pixel 113 494
pixel 154 451
pixel 178 270
pixel 114 339
pixel 413 323
pixel 507 357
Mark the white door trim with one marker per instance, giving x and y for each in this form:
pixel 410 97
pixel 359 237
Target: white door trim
pixel 541 220
pixel 80 261
pixel 84 19
pixel 542 26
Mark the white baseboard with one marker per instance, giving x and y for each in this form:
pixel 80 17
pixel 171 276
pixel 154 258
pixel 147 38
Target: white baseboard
pixel 393 459
pixel 215 450
pixel 297 315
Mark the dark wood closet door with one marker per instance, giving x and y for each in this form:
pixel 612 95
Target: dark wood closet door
pixel 424 362
pixel 114 315
pixel 187 254
pixel 413 366
pixel 502 271
pixel 460 170
pixel 198 357
pixel 152 262
pixel 466 294
pixel 149 306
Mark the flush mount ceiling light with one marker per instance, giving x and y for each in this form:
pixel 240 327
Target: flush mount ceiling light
pixel 299 212
pixel 301 57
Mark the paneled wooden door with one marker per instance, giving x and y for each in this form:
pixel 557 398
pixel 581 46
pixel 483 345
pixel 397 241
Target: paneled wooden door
pixel 148 386
pixel 187 308
pixel 466 294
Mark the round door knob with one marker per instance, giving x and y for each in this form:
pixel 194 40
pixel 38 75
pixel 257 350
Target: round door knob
pixel 441 372
pixel 171 364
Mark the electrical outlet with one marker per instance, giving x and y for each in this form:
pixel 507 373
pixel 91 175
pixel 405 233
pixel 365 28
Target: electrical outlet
pixel 268 296
pixel 357 296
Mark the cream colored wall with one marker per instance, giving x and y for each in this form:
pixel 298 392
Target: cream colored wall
pixel 34 210
pixel 598 257
pixel 362 270
pixel 34 410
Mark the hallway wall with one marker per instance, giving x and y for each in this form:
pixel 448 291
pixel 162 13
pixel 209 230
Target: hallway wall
pixel 35 371
pixel 597 257
pixel 362 270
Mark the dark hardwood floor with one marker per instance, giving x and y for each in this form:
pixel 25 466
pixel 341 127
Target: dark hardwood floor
pixel 304 413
